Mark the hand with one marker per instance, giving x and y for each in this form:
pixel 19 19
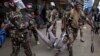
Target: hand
pixel 53 21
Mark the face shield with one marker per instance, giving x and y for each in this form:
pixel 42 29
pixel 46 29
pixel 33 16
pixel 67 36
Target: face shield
pixel 29 7
pixel 52 4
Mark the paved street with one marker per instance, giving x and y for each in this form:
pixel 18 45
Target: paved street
pixel 79 48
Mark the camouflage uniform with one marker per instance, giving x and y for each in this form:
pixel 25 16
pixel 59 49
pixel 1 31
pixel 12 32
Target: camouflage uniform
pixel 54 27
pixel 52 18
pixel 32 23
pixel 19 37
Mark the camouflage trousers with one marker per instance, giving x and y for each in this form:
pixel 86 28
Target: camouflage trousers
pixel 18 42
pixel 16 48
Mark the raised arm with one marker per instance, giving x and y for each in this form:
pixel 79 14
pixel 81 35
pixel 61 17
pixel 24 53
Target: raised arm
pixel 65 21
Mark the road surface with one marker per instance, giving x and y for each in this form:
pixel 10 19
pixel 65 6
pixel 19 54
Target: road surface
pixel 79 48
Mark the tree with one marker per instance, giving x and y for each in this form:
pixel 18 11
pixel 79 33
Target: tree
pixel 96 3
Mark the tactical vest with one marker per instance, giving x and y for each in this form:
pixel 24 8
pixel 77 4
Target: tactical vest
pixel 16 19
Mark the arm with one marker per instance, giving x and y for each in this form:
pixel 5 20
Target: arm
pixel 90 22
pixel 65 21
pixel 63 24
pixel 88 19
pixel 50 29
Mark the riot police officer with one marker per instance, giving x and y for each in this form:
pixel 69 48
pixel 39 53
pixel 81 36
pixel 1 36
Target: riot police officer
pixel 19 34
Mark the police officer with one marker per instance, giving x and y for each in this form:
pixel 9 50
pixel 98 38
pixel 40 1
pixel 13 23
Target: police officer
pixel 52 18
pixel 32 20
pixel 72 23
pixel 96 16
pixel 19 34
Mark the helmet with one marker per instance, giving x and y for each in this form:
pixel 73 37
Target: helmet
pixel 11 5
pixel 6 4
pixel 29 7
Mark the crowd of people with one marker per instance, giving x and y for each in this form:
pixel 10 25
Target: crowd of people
pixel 20 21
